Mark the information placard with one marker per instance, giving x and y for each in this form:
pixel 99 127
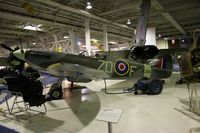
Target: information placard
pixel 109 115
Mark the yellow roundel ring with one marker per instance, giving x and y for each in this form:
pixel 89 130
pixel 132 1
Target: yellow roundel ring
pixel 121 67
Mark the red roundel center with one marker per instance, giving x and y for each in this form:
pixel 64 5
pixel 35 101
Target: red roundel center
pixel 121 66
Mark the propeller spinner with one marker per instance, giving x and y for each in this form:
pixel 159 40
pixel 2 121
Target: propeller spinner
pixel 15 58
pixel 16 52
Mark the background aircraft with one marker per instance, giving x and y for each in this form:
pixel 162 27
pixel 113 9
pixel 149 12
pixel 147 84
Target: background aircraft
pixel 190 63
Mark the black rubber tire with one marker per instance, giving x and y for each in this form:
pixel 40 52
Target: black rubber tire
pixel 55 92
pixel 155 87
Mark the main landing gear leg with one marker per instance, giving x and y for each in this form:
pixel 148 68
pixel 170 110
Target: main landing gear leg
pixel 72 85
pixel 55 91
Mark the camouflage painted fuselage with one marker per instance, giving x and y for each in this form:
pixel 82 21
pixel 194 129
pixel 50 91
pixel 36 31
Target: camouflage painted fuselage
pixel 80 68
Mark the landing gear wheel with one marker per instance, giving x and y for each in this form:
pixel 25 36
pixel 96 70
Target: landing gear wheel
pixel 72 86
pixel 55 92
pixel 155 87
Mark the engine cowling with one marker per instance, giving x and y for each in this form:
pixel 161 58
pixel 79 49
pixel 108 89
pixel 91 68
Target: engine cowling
pixel 144 52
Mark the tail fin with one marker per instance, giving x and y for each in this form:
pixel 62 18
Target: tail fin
pixel 162 67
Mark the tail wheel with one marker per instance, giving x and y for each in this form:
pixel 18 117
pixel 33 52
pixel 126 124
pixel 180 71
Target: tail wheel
pixel 55 92
pixel 155 87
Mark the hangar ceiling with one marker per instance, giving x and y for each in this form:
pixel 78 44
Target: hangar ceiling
pixel 172 18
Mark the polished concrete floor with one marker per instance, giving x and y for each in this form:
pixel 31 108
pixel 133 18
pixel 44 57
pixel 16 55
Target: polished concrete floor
pixel 76 113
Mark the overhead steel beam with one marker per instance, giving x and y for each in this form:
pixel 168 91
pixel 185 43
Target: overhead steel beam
pixel 169 31
pixel 8 36
pixel 173 32
pixel 131 5
pixel 185 4
pixel 118 9
pixel 84 4
pixel 4 40
pixel 21 30
pixel 8 15
pixel 184 24
pixel 14 16
pixel 15 27
pixel 136 14
pixel 173 21
pixel 82 13
pixel 157 12
pixel 158 6
pixel 73 1
pixel 16 32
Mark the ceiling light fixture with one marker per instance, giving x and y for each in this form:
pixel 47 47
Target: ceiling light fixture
pixel 33 27
pixel 66 37
pixel 89 6
pixel 79 43
pixel 94 40
pixel 112 42
pixel 173 41
pixel 128 22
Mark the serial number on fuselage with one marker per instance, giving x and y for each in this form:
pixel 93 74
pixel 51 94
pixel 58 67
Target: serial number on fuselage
pixel 119 67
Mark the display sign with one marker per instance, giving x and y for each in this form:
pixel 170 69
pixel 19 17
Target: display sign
pixel 109 115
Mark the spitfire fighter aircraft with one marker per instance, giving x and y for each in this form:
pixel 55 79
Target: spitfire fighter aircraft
pixel 140 61
pixel 78 68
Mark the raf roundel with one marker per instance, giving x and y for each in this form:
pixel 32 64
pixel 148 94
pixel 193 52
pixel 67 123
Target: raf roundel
pixel 121 67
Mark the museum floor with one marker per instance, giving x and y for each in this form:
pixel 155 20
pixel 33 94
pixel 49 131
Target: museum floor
pixel 162 113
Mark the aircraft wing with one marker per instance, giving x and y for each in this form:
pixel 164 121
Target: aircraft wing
pixel 76 67
pixel 75 72
pixel 4 61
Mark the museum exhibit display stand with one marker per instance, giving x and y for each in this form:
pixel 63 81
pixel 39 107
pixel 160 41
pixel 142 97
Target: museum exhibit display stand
pixel 110 115
pixel 19 107
pixel 194 99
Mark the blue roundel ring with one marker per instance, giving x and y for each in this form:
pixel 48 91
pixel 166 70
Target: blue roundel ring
pixel 121 67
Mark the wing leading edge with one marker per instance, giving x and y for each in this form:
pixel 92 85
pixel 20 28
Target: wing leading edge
pixel 76 67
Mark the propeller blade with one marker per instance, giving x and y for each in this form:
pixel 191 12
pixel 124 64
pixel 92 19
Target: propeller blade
pixel 16 48
pixel 6 47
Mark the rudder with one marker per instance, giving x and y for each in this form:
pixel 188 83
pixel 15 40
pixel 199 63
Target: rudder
pixel 163 67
